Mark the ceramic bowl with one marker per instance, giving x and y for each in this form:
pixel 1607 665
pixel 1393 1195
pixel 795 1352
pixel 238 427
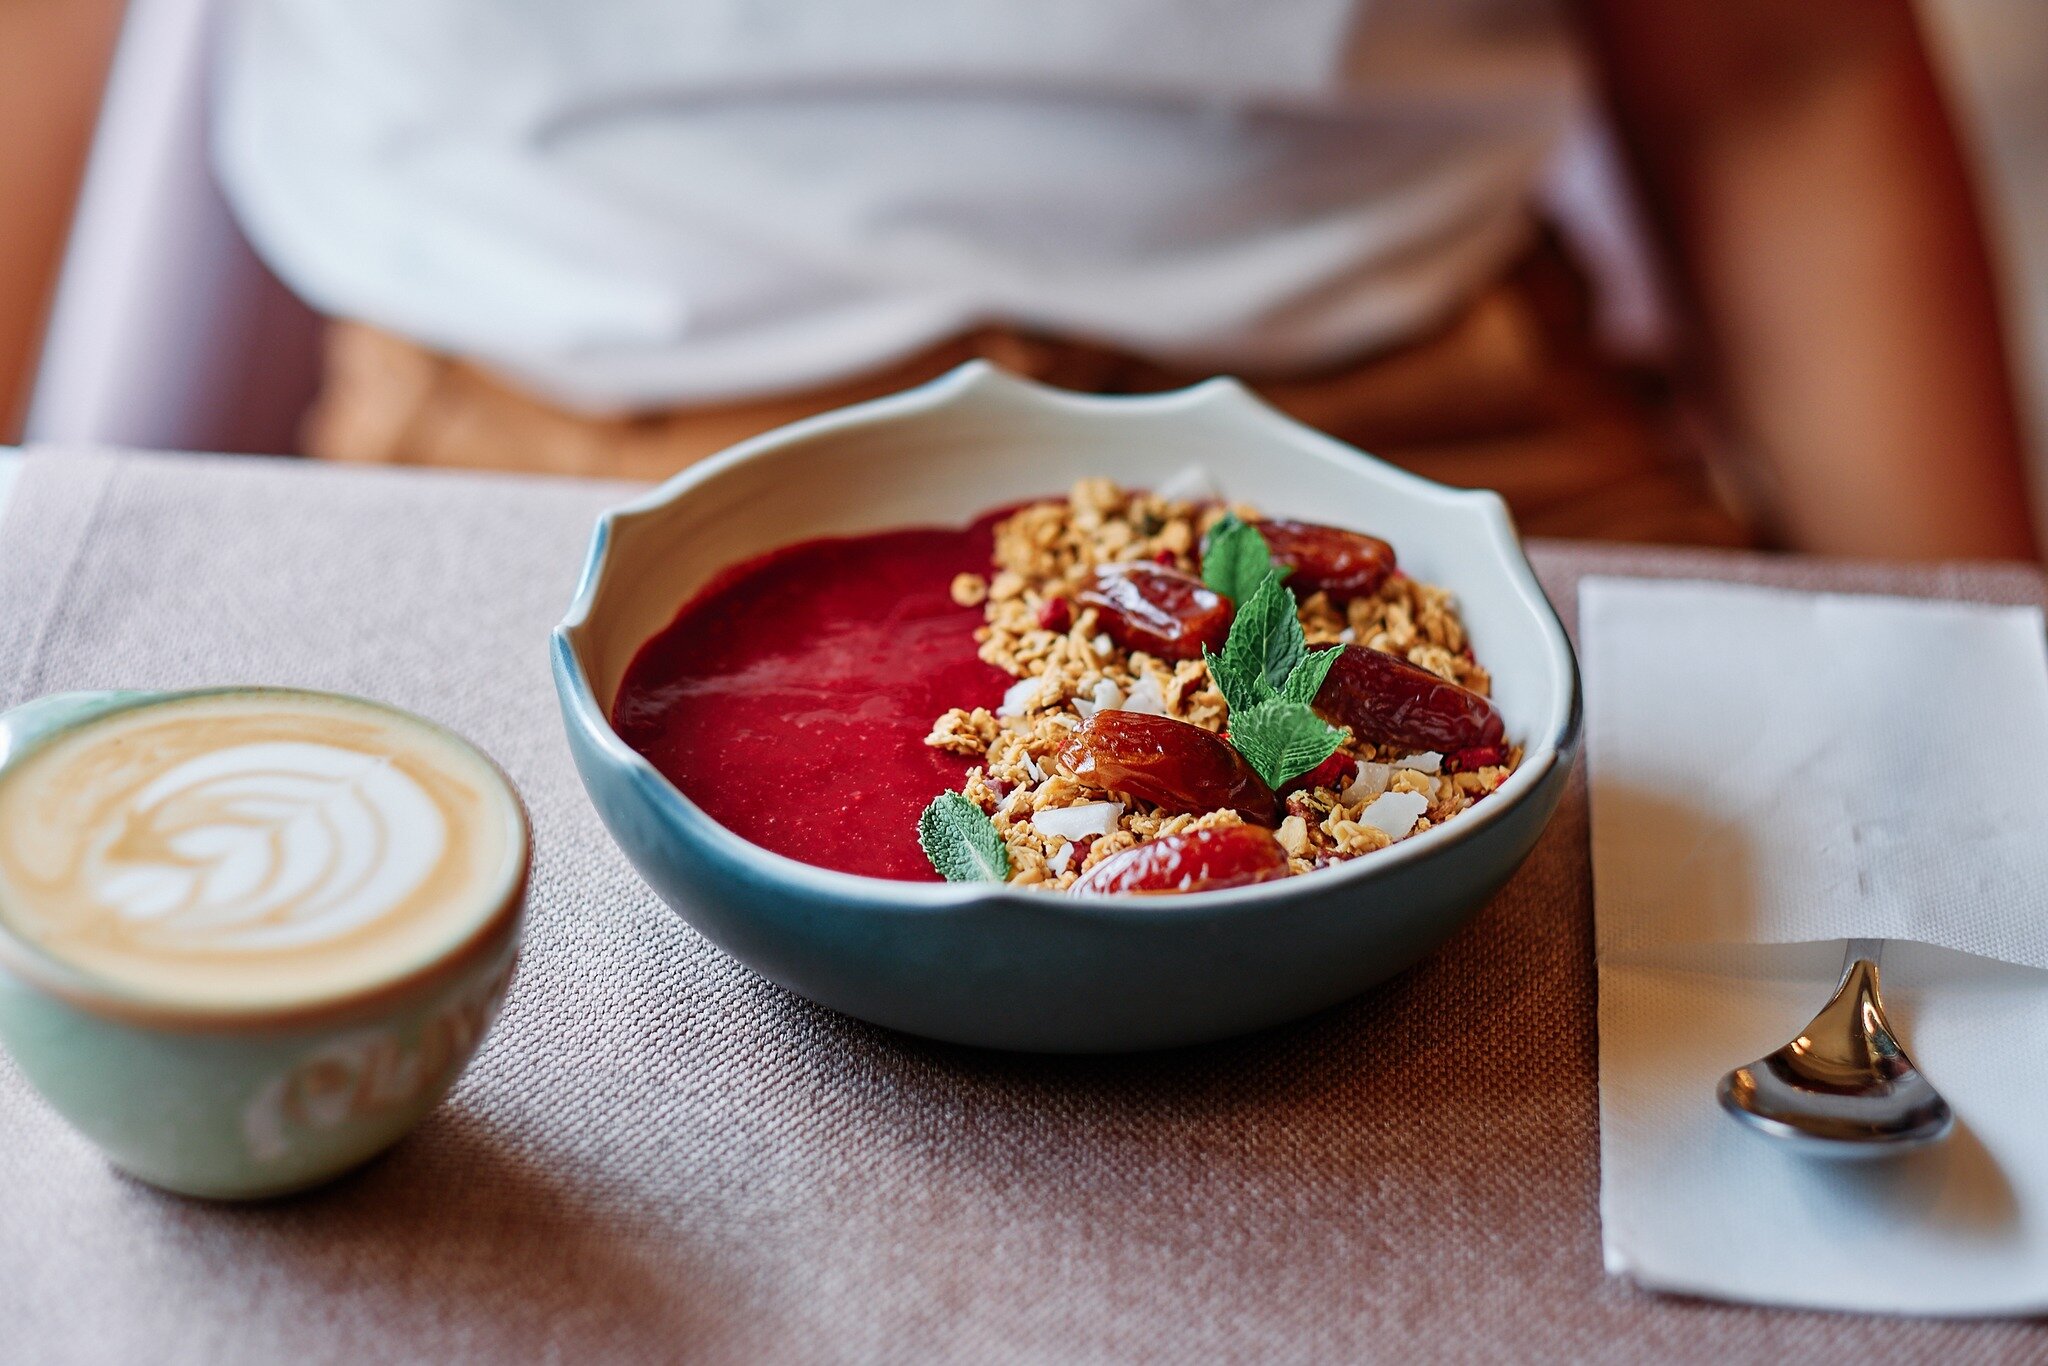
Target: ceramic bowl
pixel 1033 970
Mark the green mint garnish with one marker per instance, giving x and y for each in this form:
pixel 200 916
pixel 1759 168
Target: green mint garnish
pixel 1282 739
pixel 1265 640
pixel 1305 680
pixel 961 841
pixel 1241 690
pixel 1266 674
pixel 1236 560
pixel 1266 655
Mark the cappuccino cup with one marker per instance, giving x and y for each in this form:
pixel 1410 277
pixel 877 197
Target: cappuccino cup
pixel 249 936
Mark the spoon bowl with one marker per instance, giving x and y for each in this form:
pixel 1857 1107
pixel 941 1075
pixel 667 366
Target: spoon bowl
pixel 1844 1087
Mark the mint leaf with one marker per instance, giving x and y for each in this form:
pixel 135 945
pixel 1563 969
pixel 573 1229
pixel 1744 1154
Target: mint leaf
pixel 1265 640
pixel 1265 673
pixel 1242 689
pixel 1282 739
pixel 1306 681
pixel 1236 560
pixel 1285 644
pixel 961 841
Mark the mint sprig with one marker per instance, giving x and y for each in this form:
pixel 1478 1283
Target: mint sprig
pixel 961 841
pixel 1265 641
pixel 1236 561
pixel 1305 680
pixel 1283 739
pixel 1266 674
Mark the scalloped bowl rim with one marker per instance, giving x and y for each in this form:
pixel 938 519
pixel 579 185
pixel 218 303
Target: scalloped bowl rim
pixel 891 894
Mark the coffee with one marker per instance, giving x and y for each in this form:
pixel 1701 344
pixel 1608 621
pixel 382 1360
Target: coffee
pixel 254 848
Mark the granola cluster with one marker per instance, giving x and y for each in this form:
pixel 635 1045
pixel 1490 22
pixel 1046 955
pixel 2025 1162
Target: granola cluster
pixel 1066 669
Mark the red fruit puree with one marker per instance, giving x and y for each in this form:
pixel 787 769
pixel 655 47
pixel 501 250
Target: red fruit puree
pixel 791 697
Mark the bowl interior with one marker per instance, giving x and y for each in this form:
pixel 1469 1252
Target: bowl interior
pixel 978 439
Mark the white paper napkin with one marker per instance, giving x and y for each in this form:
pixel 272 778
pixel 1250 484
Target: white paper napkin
pixel 1771 773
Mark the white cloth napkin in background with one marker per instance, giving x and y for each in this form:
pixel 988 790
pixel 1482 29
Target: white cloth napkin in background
pixel 1772 773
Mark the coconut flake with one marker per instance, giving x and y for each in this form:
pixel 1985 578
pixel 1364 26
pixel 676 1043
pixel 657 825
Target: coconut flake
pixel 1372 780
pixel 1021 696
pixel 1146 696
pixel 1395 813
pixel 1191 485
pixel 1078 822
pixel 1429 761
pixel 1107 696
pixel 1062 859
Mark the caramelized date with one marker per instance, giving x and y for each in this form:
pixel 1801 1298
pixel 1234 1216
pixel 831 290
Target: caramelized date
pixel 1158 610
pixel 1388 701
pixel 1192 861
pixel 1344 564
pixel 1178 767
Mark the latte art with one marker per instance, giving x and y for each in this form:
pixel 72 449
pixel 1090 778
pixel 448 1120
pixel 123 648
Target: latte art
pixel 259 846
pixel 265 845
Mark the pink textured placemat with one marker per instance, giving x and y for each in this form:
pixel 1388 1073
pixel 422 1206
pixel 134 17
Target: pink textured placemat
pixel 659 1156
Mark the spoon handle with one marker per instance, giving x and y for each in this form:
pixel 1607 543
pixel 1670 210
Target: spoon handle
pixel 1858 950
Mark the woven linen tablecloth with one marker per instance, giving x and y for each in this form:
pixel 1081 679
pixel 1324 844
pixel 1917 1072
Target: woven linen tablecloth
pixel 659 1156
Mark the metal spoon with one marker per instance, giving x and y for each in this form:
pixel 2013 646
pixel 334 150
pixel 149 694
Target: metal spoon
pixel 1844 1087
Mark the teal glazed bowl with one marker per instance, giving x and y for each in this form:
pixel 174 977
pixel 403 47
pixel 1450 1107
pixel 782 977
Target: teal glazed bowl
pixel 1033 970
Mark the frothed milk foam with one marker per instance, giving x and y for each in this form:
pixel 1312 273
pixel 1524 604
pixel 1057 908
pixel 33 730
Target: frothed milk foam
pixel 253 848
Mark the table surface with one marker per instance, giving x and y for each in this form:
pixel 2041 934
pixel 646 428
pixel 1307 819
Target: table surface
pixel 659 1155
